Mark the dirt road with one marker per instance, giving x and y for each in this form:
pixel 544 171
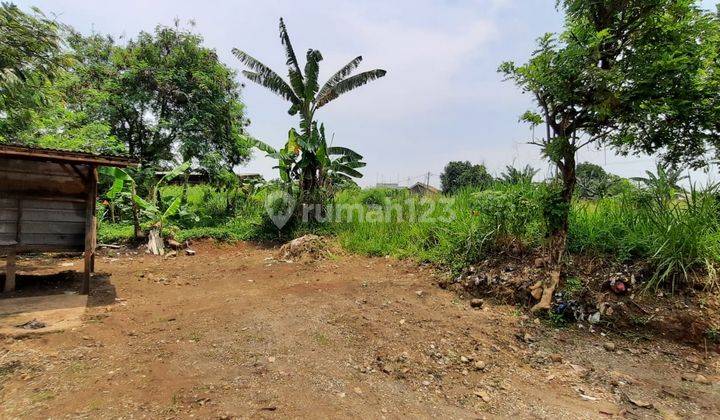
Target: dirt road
pixel 232 333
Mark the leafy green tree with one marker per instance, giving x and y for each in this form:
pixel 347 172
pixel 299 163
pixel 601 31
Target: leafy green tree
pixel 306 96
pixel 594 182
pixel 458 175
pixel 30 55
pixel 516 176
pixel 635 74
pixel 171 93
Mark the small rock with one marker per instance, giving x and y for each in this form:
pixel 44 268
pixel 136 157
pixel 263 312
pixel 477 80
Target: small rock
pixel 640 403
pixel 171 254
pixel 692 377
pixel 426 383
pixel 609 346
pixel 464 359
pixel 476 303
pixel 419 293
pixel 190 252
pixel 358 391
pixel 480 365
pixel 555 357
pixel 702 379
pixel 482 394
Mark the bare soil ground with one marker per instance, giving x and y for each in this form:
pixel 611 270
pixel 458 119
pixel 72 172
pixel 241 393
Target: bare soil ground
pixel 232 333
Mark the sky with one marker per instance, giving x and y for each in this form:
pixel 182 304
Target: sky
pixel 441 100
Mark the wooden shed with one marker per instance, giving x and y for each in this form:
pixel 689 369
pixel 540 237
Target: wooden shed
pixel 47 204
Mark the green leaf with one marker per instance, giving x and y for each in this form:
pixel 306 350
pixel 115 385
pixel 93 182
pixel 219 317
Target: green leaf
pixel 173 208
pixel 349 84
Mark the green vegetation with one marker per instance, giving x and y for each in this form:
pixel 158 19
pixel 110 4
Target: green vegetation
pixel 640 76
pixel 305 159
pixel 459 175
pixel 679 238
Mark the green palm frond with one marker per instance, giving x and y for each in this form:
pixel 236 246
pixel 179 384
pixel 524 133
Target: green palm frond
pixel 349 84
pixel 275 84
pixel 344 151
pixel 341 74
pixel 296 78
pixel 312 68
pixel 347 170
pixel 261 145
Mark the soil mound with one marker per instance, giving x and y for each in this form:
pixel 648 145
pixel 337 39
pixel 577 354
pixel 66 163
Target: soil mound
pixel 305 248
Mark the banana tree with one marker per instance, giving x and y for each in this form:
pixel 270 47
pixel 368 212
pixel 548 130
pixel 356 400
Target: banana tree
pixel 120 181
pixel 151 208
pixel 332 164
pixel 306 95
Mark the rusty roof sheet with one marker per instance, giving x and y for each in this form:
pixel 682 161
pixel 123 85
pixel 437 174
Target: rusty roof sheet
pixel 57 155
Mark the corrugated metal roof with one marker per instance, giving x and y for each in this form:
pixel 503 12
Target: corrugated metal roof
pixel 58 155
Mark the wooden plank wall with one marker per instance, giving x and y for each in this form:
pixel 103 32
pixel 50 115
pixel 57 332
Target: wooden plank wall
pixel 46 202
pixel 27 177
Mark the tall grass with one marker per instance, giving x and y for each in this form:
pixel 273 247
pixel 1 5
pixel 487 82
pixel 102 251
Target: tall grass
pixel 677 235
pixel 453 231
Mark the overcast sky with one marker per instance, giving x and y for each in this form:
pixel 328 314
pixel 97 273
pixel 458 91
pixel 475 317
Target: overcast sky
pixel 441 100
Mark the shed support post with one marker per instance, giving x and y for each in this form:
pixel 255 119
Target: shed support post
pixel 90 226
pixel 10 270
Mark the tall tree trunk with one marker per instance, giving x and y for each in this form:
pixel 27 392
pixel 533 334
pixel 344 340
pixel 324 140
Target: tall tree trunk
pixel 569 179
pixel 559 226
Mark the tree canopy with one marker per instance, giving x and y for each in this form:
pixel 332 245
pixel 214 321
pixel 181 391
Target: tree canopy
pixel 458 175
pixel 30 55
pixel 161 97
pixel 639 75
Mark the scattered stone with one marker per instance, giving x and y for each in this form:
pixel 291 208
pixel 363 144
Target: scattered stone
pixel 464 359
pixel 271 359
pixel 482 394
pixel 555 357
pixel 694 360
pixel 426 383
pixel 476 303
pixel 419 293
pixel 609 346
pixel 32 325
pixel 698 378
pixel 639 402
pixel 171 254
pixel 190 252
pixel 480 365
pixel 358 391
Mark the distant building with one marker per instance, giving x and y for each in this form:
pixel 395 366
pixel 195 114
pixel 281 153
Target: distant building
pixel 423 189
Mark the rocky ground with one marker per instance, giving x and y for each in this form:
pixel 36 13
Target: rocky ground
pixel 231 332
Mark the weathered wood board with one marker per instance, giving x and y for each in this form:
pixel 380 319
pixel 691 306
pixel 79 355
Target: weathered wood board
pixel 43 205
